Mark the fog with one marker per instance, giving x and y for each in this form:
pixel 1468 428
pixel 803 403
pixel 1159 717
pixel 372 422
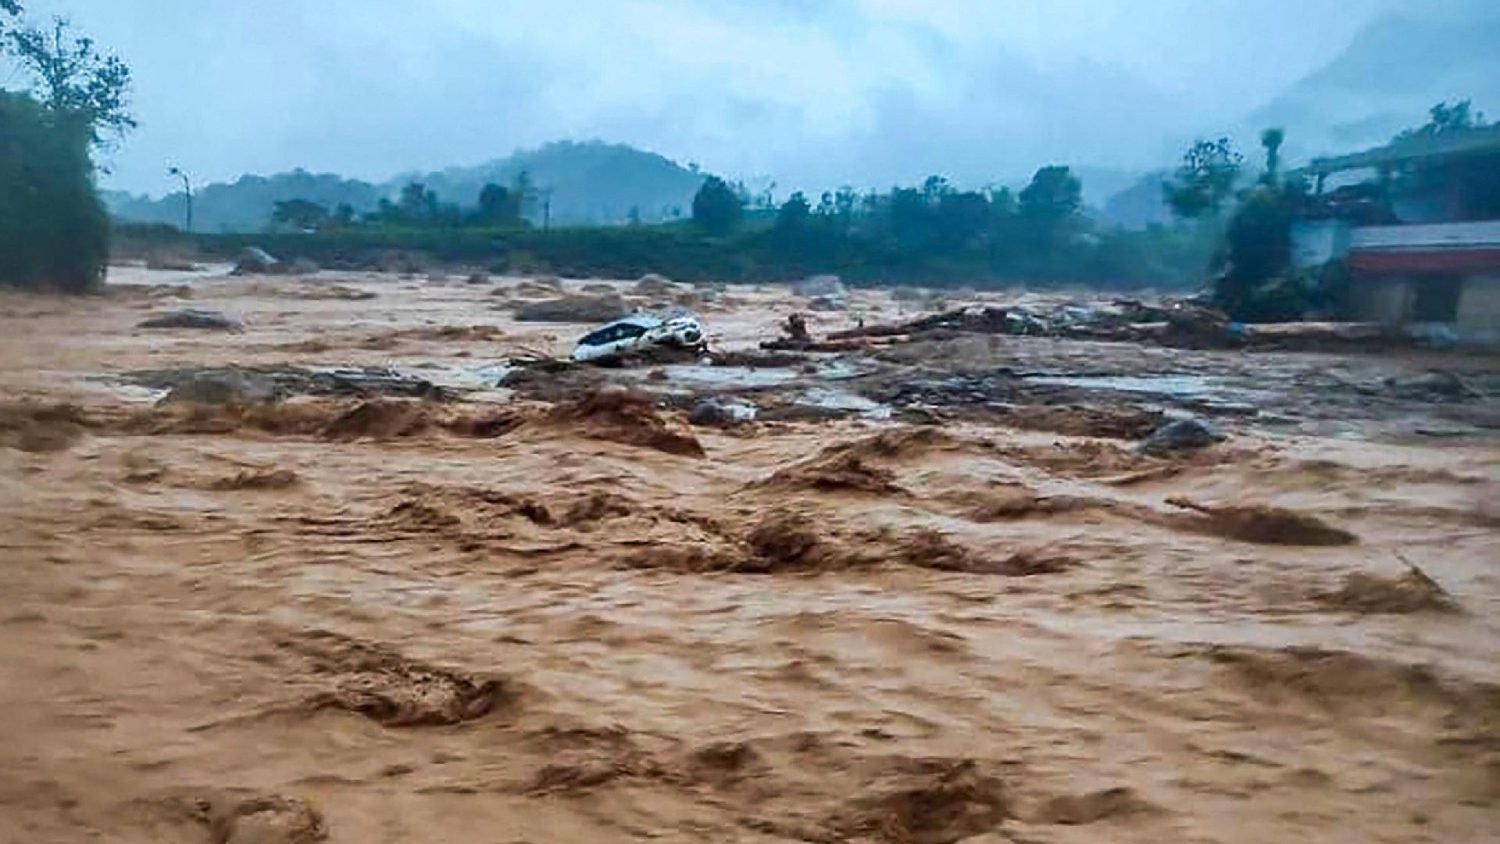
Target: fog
pixel 865 92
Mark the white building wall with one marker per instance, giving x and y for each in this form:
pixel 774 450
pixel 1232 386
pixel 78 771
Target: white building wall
pixel 1316 242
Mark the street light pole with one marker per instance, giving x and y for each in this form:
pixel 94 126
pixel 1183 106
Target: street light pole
pixel 187 191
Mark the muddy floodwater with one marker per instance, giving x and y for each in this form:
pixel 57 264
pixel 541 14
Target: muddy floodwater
pixel 438 588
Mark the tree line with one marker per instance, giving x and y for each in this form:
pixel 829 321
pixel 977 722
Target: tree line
pixel 416 207
pixel 937 233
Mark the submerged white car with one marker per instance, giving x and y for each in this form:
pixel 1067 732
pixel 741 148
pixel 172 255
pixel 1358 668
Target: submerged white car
pixel 640 332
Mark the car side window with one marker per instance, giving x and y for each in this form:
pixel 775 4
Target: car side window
pixel 600 337
pixel 626 331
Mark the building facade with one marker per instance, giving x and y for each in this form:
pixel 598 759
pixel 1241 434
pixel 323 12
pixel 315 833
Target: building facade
pixel 1418 227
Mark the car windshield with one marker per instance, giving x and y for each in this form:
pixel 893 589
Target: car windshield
pixel 613 333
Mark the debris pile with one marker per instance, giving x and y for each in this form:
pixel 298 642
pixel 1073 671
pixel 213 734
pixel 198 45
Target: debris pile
pixel 195 318
pixel 245 385
pixel 1181 435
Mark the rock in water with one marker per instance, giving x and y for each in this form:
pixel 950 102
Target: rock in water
pixel 1181 435
pixel 819 285
pixel 652 284
pixel 300 266
pixel 224 386
pixel 254 260
pixel 721 414
pixel 194 318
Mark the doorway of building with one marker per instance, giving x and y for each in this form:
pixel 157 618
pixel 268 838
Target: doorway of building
pixel 1435 298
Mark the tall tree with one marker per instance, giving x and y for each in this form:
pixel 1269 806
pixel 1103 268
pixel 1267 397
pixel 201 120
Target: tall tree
pixel 1204 180
pixel 716 207
pixel 794 213
pixel 1271 140
pixel 1054 194
pixel 498 206
pixel 416 203
pixel 53 228
pixel 70 76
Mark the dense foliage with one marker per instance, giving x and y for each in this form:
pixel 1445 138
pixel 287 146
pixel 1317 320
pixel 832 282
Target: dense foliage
pixel 931 234
pixel 54 233
pixel 717 208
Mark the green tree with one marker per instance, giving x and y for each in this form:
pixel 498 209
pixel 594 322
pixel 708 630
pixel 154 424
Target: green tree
pixel 343 216
pixel 794 213
pixel 1271 140
pixel 1204 180
pixel 1048 212
pixel 1054 194
pixel 53 229
pixel 1256 283
pixel 69 75
pixel 416 204
pixel 498 206
pixel 716 207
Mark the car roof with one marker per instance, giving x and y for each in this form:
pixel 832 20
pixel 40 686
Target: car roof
pixel 641 320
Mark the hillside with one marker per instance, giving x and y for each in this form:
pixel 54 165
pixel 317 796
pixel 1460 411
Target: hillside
pixel 1385 81
pixel 591 182
pixel 244 205
pixel 587 183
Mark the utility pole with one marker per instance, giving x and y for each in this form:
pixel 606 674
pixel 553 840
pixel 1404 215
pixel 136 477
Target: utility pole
pixel 187 191
pixel 546 209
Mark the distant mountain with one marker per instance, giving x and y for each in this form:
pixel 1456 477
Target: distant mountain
pixel 246 204
pixel 1139 205
pixel 588 183
pixel 1388 77
pixel 1384 81
pixel 593 183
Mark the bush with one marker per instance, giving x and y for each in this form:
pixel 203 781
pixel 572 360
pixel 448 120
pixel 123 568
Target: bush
pixel 54 232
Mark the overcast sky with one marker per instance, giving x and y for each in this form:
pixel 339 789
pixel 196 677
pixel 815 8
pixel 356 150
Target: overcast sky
pixel 864 92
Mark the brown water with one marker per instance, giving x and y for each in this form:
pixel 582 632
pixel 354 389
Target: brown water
pixel 852 630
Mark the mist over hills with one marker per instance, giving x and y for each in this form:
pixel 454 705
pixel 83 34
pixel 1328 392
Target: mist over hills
pixel 593 182
pixel 1393 71
pixel 1384 80
pixel 586 183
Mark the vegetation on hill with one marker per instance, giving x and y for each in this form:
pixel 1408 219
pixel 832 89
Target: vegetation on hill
pixel 933 233
pixel 1393 68
pixel 564 183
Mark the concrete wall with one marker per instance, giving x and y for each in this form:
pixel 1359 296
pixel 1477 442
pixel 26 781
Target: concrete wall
pixel 1316 242
pixel 1479 309
pixel 1485 233
pixel 1382 299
